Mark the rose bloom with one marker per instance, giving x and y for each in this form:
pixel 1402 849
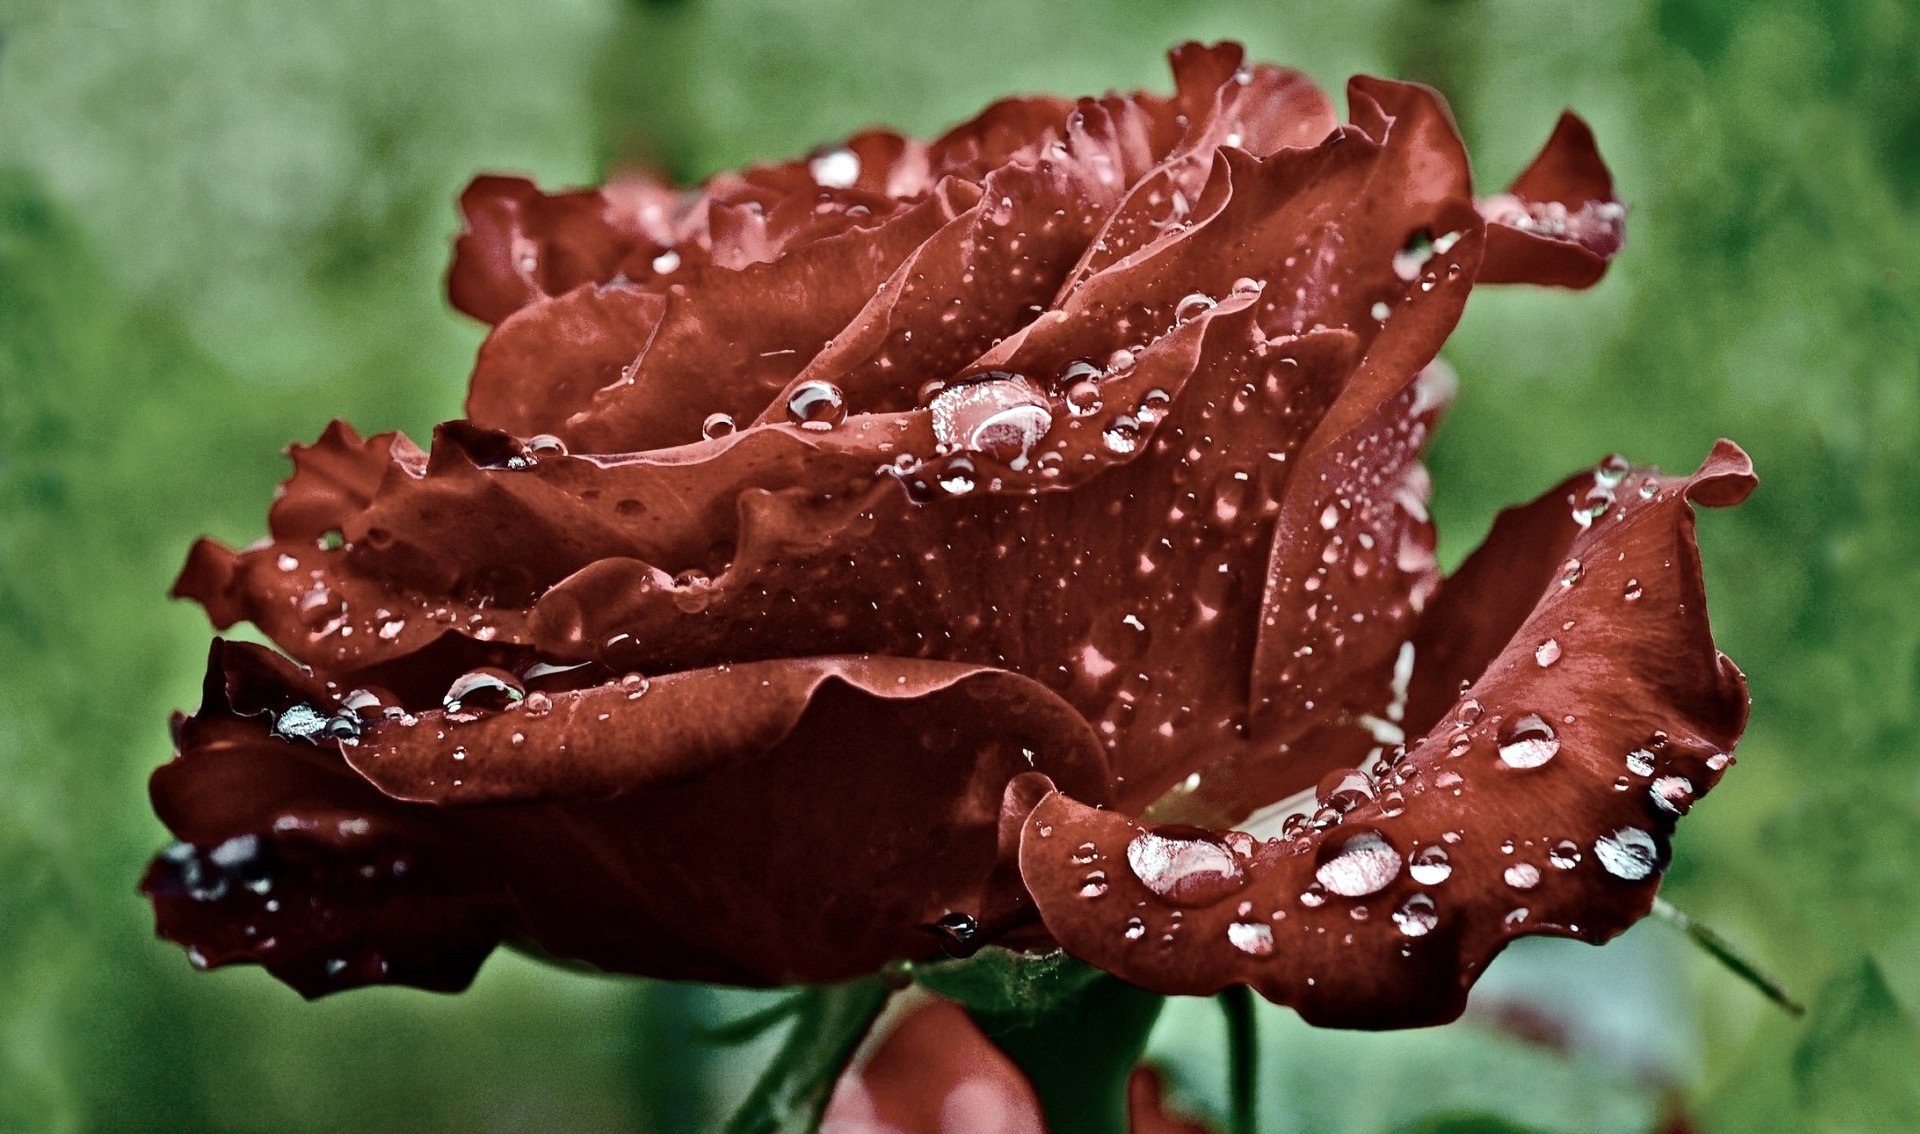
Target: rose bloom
pixel 1018 537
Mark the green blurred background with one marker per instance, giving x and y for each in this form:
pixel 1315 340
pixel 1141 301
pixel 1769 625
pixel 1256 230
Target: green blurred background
pixel 222 224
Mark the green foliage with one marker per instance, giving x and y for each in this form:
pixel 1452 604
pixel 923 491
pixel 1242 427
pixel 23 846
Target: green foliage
pixel 828 1024
pixel 223 223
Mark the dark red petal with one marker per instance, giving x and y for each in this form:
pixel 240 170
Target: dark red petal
pixel 1542 805
pixel 291 861
pixel 933 1072
pixel 521 245
pixel 1559 222
pixel 544 362
pixel 551 817
pixel 731 340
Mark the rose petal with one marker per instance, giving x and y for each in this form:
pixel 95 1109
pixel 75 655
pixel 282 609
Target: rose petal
pixel 544 362
pixel 1543 805
pixel 588 795
pixel 1559 222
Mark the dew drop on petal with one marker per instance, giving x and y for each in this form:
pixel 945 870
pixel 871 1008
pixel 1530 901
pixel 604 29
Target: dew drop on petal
pixel 716 426
pixel 1629 853
pixel 1416 916
pixel 1547 652
pixel 1523 876
pixel 1672 794
pixel 1185 865
pixel 1251 937
pixel 1365 863
pixel 816 405
pixel 837 168
pixel 480 691
pixel 1565 854
pixel 1530 742
pixel 1429 865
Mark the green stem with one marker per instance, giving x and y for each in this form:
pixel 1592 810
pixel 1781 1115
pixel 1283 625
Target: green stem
pixel 1080 1053
pixel 1724 951
pixel 1243 1057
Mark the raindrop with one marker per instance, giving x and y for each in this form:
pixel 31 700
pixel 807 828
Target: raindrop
pixel 480 691
pixel 1429 866
pixel 1344 790
pixel 957 930
pixel 1628 853
pixel 816 405
pixel 1565 854
pixel 538 704
pixel 1094 885
pixel 716 426
pixel 837 168
pixel 1416 916
pixel 1122 434
pixel 1634 591
pixel 1185 865
pixel 1523 876
pixel 1547 652
pixel 1364 864
pixel 635 686
pixel 1673 794
pixel 1000 414
pixel 1136 929
pixel 1640 762
pixel 666 262
pixel 545 445
pixel 1251 937
pixel 1192 306
pixel 1570 572
pixel 1530 742
pixel 303 722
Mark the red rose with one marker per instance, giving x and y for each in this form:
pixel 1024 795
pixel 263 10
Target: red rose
pixel 928 544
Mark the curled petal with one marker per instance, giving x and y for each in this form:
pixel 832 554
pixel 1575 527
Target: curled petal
pixel 1559 222
pixel 1542 803
pixel 544 362
pixel 549 817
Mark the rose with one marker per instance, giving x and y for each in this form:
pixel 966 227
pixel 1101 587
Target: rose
pixel 996 539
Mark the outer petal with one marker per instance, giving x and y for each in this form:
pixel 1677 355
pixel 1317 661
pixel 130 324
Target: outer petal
pixel 1558 223
pixel 1542 805
pixel 641 827
pixel 935 1073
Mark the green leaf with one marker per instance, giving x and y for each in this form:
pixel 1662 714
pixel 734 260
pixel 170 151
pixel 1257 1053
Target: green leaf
pixel 1079 1049
pixel 1466 1122
pixel 828 1025
pixel 1006 986
pixel 1857 1069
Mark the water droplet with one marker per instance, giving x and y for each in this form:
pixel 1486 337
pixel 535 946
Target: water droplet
pixel 1185 865
pixel 1000 414
pixel 1363 864
pixel 1640 762
pixel 1673 794
pixel 635 686
pixel 1251 937
pixel 816 405
pixel 1192 306
pixel 1523 876
pixel 716 426
pixel 1416 916
pixel 666 262
pixel 1565 854
pixel 957 930
pixel 1468 713
pixel 1570 572
pixel 1247 285
pixel 1529 743
pixel 1547 652
pixel 837 168
pixel 481 691
pixel 1628 853
pixel 1344 790
pixel 1094 885
pixel 545 445
pixel 302 722
pixel 1633 591
pixel 1122 434
pixel 1330 517
pixel 1429 866
pixel 538 704
pixel 1380 311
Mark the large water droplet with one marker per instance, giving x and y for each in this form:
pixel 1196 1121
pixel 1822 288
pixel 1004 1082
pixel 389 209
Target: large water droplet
pixel 1523 876
pixel 1001 415
pixel 716 426
pixel 1362 864
pixel 1429 866
pixel 1185 865
pixel 816 405
pixel 481 691
pixel 1640 762
pixel 1416 916
pixel 1529 743
pixel 1547 652
pixel 1253 938
pixel 1673 794
pixel 837 168
pixel 1628 853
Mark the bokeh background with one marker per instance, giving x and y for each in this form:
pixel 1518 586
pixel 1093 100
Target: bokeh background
pixel 223 223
